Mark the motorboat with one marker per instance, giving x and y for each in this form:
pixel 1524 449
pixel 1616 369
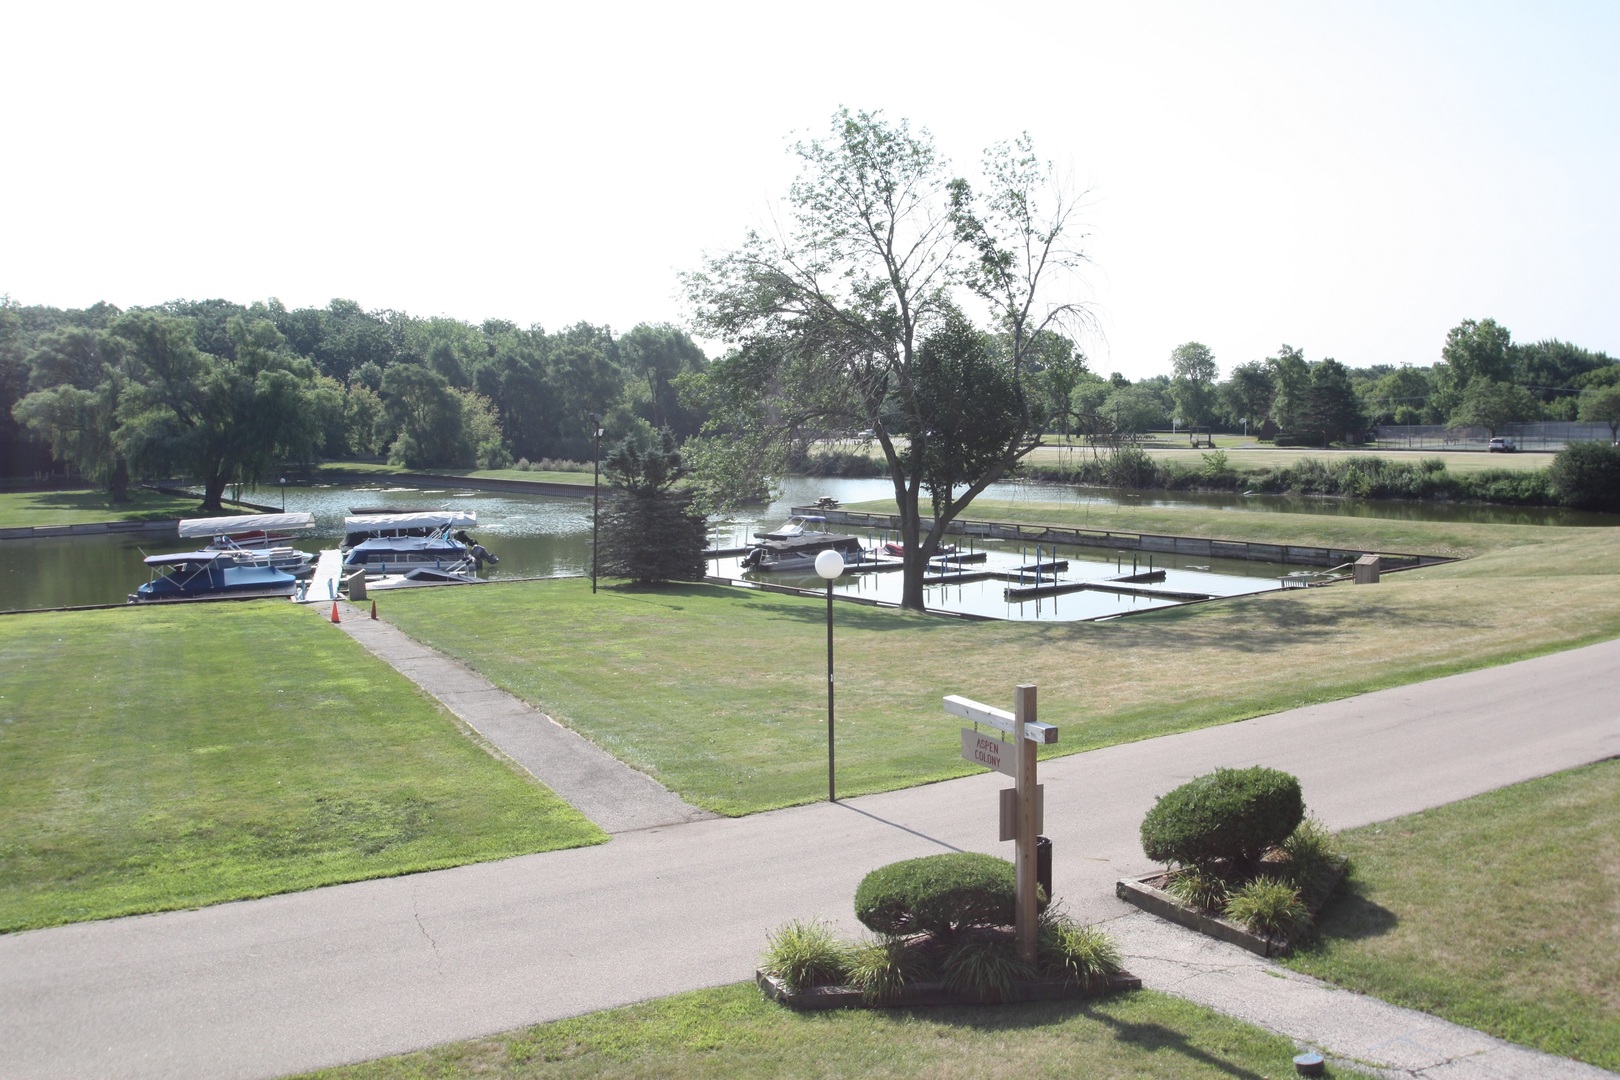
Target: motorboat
pixel 399 542
pixel 210 575
pixel 792 547
pixel 256 539
pixel 462 573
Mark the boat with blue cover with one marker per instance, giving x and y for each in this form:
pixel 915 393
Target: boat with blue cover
pixel 210 575
pixel 396 543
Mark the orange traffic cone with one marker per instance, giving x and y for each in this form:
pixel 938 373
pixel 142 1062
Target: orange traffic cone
pixel 334 612
pixel 374 610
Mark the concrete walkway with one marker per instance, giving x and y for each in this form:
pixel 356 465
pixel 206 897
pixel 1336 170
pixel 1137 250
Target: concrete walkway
pixel 268 987
pixel 597 784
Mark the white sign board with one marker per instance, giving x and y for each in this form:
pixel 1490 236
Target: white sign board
pixel 979 713
pixel 992 753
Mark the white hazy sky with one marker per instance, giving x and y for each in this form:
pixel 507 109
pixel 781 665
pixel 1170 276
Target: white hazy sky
pixel 1350 178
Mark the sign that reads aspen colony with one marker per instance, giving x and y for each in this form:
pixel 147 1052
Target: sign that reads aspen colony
pixel 985 750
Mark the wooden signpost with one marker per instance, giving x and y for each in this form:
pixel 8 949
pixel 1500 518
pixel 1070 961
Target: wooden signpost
pixel 1016 759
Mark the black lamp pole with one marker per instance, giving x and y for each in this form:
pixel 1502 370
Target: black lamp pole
pixel 832 796
pixel 596 496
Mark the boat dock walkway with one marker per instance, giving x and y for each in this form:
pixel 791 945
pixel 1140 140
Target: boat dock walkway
pixel 322 587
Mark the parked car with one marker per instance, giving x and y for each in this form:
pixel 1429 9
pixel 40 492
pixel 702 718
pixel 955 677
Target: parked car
pixel 1502 444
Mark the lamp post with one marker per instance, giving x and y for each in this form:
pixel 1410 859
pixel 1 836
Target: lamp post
pixel 830 565
pixel 283 494
pixel 596 495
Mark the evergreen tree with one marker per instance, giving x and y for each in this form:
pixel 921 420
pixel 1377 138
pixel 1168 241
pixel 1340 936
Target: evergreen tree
pixel 650 532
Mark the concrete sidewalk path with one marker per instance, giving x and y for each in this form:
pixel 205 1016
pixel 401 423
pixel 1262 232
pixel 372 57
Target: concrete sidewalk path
pixel 1347 1028
pixel 268 987
pixel 597 784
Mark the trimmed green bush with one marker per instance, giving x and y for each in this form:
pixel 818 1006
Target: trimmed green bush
pixel 937 894
pixel 1224 821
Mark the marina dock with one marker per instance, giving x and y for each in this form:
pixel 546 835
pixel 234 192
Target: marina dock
pixel 322 586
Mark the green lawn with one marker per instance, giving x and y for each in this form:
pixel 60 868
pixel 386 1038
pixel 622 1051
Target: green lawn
pixel 21 509
pixel 719 692
pixel 178 756
pixel 1501 912
pixel 732 1032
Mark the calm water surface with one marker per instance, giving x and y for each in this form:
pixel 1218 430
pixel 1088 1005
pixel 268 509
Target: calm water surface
pixel 537 536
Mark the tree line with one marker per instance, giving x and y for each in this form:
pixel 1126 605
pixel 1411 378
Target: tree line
pixel 227 393
pixel 1483 379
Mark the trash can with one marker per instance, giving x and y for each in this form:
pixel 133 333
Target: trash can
pixel 1043 864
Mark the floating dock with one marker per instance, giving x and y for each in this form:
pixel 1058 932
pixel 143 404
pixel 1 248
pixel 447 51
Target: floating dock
pixel 322 586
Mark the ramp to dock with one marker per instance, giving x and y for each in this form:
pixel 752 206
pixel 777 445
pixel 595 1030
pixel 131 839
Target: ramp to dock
pixel 322 586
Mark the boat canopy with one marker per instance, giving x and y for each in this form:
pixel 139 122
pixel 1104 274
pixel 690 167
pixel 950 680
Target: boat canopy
pixel 422 519
pixel 242 523
pixel 180 558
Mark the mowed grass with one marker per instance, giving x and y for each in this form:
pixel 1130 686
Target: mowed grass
pixel 732 1032
pixel 178 756
pixel 1501 913
pixel 25 509
pixel 719 692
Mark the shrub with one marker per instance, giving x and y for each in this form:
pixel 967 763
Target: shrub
pixel 1586 476
pixel 1083 954
pixel 937 894
pixel 985 965
pixel 1269 906
pixel 1229 816
pixel 804 954
pixel 1310 861
pixel 883 966
pixel 1198 888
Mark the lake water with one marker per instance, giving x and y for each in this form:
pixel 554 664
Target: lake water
pixel 537 536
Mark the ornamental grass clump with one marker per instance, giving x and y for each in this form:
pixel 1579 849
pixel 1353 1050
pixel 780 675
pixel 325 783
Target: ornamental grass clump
pixel 1311 862
pixel 805 955
pixel 1198 888
pixel 880 967
pixel 1267 905
pixel 1082 954
pixel 986 965
pixel 1223 822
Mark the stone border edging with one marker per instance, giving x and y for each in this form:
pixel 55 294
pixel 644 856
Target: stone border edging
pixel 817 998
pixel 1155 901
pixel 92 528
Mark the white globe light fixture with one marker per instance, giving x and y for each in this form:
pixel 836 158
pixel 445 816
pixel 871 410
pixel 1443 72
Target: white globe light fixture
pixel 830 566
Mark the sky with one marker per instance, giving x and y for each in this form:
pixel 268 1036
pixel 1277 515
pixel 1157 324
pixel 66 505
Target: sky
pixel 1352 179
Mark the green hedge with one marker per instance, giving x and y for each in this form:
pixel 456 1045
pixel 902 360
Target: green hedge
pixel 1225 820
pixel 937 894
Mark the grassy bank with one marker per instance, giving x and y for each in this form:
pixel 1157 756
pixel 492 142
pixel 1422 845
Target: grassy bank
pixel 1498 912
pixel 719 692
pixel 732 1032
pixel 179 756
pixel 24 509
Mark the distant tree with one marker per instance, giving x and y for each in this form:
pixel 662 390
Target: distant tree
pixel 650 532
pixel 1136 409
pixel 1246 395
pixel 427 416
pixel 222 419
pixel 1601 405
pixel 1291 378
pixel 1192 382
pixel 82 428
pixel 1586 476
pixel 1056 368
pixel 1331 405
pixel 1399 396
pixel 1478 350
pixel 656 357
pixel 1493 405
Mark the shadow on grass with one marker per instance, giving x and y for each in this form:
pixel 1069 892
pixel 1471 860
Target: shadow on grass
pixel 1351 916
pixel 1009 1018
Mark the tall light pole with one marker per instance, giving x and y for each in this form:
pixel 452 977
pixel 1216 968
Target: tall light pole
pixel 830 565
pixel 596 494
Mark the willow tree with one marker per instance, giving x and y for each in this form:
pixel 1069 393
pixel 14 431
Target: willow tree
pixel 849 315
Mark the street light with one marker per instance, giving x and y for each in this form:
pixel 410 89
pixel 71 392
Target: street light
pixel 596 495
pixel 283 494
pixel 830 565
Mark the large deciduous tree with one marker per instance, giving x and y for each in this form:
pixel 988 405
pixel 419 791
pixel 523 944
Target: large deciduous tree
pixel 830 312
pixel 1601 405
pixel 1192 382
pixel 1493 405
pixel 1478 350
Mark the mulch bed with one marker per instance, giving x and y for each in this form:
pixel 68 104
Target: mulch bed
pixel 1148 893
pixel 933 993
